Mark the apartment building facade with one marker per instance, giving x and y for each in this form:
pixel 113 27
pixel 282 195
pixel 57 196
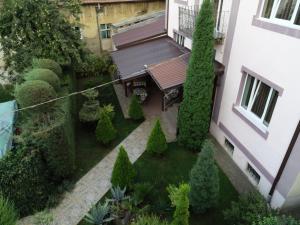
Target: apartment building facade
pixel 255 115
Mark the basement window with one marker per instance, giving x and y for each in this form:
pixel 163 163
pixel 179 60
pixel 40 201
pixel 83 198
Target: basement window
pixel 229 146
pixel 252 172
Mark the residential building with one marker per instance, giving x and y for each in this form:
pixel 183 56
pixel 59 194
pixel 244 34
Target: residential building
pixel 98 15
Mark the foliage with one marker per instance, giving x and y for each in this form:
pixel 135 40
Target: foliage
pixel 112 69
pixel 135 109
pixel 8 214
pixel 99 214
pixel 109 110
pixel 179 198
pixel 105 131
pixel 149 220
pixel 38 29
pixel 123 171
pixel 5 93
pixel 118 195
pixel 204 180
pixel 247 209
pixel 48 64
pixel 195 110
pixel 45 75
pixel 91 94
pixel 23 179
pixel 141 191
pixel 43 218
pixel 157 143
pixel 277 220
pixel 92 65
pixel 35 92
pixel 90 111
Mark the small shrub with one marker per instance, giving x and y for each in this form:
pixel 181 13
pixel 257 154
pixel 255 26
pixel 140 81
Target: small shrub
pixel 105 132
pixel 8 215
pixel 100 214
pixel 109 110
pixel 149 220
pixel 43 218
pixel 35 92
pixel 92 65
pixel 112 69
pixel 179 199
pixel 204 180
pixel 247 209
pixel 141 191
pixel 123 171
pixel 157 143
pixel 135 109
pixel 277 220
pixel 91 94
pixel 90 112
pixel 45 75
pixel 48 64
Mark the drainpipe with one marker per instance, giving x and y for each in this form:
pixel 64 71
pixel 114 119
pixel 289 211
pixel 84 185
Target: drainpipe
pixel 284 161
pixel 98 10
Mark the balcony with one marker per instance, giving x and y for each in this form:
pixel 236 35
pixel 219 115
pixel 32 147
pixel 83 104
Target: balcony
pixel 187 22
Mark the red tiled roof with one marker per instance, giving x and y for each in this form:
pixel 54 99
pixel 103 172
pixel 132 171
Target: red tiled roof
pixel 147 31
pixel 170 73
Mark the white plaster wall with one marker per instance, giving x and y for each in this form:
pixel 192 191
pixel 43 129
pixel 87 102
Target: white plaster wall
pixel 274 56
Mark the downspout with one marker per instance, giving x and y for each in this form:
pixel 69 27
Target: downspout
pixel 167 17
pixel 98 9
pixel 284 161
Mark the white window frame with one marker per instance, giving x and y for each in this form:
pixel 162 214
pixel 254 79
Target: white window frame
pixel 107 29
pixel 259 121
pixel 287 23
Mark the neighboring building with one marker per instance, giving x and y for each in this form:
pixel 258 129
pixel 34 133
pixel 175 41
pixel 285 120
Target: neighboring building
pixel 98 15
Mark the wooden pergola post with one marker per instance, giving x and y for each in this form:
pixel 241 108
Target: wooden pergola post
pixel 163 101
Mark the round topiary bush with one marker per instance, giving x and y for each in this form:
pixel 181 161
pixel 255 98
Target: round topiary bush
pixel 34 92
pixel 47 64
pixel 45 75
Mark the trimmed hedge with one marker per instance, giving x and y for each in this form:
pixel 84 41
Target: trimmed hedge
pixel 47 64
pixel 45 75
pixel 35 92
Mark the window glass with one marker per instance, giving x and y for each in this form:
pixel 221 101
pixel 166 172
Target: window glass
pixel 268 8
pixel 286 9
pixel 247 91
pixel 261 99
pixel 271 108
pixel 297 20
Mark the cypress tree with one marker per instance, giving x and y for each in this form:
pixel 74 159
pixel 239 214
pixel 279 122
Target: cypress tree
pixel 157 141
pixel 105 131
pixel 195 110
pixel 204 180
pixel 123 171
pixel 135 109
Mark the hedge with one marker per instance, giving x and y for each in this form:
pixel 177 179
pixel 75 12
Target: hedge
pixel 47 64
pixel 45 75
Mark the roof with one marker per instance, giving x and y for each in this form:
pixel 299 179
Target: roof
pixel 131 61
pixel 7 117
pixel 148 30
pixel 170 73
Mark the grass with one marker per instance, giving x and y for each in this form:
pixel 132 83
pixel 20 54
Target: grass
pixel 174 168
pixel 88 151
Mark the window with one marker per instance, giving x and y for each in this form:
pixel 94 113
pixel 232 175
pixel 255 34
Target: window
pixel 229 145
pixel 105 31
pixel 259 99
pixel 179 38
pixel 286 12
pixel 252 172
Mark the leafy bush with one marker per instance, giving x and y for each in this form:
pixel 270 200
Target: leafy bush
pixel 35 92
pixel 157 141
pixel 247 209
pixel 43 218
pixel 204 180
pixel 123 171
pixel 8 215
pixel 135 109
pixel 179 198
pixel 45 75
pixel 112 69
pixel 48 64
pixel 92 65
pixel 141 191
pixel 149 220
pixel 91 94
pixel 90 112
pixel 23 179
pixel 277 220
pixel 5 93
pixel 105 132
pixel 109 110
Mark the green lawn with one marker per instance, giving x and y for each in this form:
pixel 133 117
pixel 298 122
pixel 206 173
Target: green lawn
pixel 174 168
pixel 88 151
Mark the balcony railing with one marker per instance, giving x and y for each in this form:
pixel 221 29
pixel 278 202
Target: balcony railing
pixel 187 22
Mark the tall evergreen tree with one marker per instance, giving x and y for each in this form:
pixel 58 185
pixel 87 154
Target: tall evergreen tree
pixel 135 109
pixel 195 110
pixel 204 180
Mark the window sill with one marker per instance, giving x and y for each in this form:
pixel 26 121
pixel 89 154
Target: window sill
pixel 275 27
pixel 259 128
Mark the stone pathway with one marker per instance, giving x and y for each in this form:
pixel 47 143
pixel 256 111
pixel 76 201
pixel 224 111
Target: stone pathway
pixel 94 185
pixel 238 179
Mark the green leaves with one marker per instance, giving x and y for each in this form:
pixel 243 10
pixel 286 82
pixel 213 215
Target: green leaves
pixel 105 132
pixel 135 109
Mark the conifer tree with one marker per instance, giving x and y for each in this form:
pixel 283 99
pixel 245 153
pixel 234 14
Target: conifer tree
pixel 123 171
pixel 195 110
pixel 135 109
pixel 204 180
pixel 105 131
pixel 157 141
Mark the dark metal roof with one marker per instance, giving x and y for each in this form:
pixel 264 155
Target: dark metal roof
pixel 150 30
pixel 132 61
